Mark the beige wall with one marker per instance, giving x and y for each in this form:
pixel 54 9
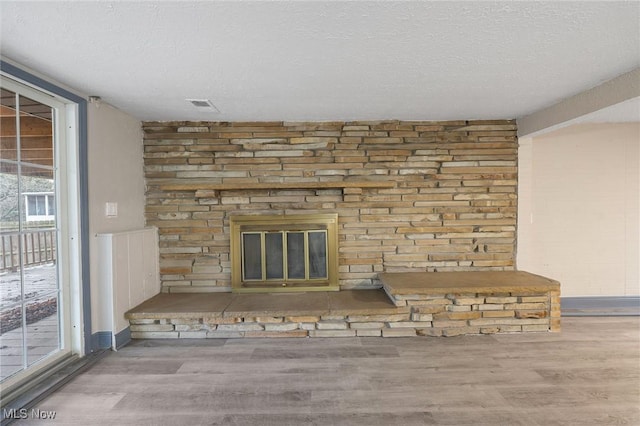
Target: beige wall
pixel 579 208
pixel 115 175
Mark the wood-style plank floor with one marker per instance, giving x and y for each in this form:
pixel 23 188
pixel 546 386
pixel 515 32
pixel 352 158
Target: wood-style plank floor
pixel 589 374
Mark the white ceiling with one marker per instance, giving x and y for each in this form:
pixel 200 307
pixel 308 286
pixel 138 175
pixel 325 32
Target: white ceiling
pixel 331 60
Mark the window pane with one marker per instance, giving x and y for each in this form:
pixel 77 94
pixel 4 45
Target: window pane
pixel 31 205
pixel 42 327
pixel 295 255
pixel 252 256
pixel 8 140
pixel 42 205
pixel 11 347
pixel 40 274
pixel 9 201
pixel 36 132
pixel 317 255
pixel 51 205
pixel 274 255
pixel 36 184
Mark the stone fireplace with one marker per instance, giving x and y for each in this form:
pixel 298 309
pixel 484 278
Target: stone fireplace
pixel 271 253
pixel 253 207
pixel 419 196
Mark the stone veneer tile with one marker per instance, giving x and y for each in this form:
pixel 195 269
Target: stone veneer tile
pixel 498 314
pixel 368 333
pixel 459 308
pixel 522 306
pixel 183 321
pixel 142 321
pixel 265 320
pixel 421 317
pixel 533 299
pixel 531 314
pixel 459 331
pixel 240 327
pixel 498 300
pixel 366 325
pixel 530 328
pixel 332 333
pixel 276 334
pixel 154 335
pixel 446 324
pixel 398 332
pixel 202 334
pixel 429 309
pixel 469 301
pixel 151 327
pixel 187 327
pixel 409 324
pixel 286 326
pixel 510 328
pixel 487 307
pixel 457 315
pixel 331 325
pixel 508 321
pixel 302 319
pixel 224 334
pixel 385 317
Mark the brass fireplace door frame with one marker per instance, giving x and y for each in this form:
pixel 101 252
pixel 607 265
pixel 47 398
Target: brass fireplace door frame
pixel 282 223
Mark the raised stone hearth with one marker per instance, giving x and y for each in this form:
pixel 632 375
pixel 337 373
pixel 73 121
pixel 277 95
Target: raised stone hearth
pixel 477 302
pixel 411 304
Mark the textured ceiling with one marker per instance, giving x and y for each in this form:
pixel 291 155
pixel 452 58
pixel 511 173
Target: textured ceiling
pixel 325 60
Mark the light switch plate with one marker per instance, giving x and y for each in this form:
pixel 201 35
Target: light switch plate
pixel 111 209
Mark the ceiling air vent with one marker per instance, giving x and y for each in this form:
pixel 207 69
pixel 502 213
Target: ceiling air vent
pixel 204 105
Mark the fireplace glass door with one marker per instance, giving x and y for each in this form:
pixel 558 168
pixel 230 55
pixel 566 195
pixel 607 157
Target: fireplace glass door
pixel 284 256
pixel 282 253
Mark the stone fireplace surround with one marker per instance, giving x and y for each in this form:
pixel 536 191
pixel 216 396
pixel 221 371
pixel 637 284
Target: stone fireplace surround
pixel 410 196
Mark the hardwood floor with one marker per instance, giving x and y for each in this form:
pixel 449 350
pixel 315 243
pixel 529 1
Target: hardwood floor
pixel 589 374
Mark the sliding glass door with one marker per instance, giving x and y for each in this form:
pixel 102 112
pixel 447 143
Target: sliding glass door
pixel 34 286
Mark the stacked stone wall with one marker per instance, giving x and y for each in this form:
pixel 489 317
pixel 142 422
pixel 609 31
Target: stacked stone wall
pixel 452 206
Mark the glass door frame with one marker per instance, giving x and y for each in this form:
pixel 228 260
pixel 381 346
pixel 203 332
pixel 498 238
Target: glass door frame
pixel 241 224
pixel 70 132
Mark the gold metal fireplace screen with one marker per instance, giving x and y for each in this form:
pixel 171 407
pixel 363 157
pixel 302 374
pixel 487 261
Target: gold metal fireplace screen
pixel 277 253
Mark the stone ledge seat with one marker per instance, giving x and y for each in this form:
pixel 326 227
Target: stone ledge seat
pixel 410 304
pixel 477 302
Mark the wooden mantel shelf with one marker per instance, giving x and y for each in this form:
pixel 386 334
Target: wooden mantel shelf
pixel 195 186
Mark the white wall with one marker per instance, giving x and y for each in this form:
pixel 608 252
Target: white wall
pixel 115 175
pixel 579 208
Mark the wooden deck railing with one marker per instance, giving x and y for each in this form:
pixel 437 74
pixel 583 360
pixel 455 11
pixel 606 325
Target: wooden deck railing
pixel 38 247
